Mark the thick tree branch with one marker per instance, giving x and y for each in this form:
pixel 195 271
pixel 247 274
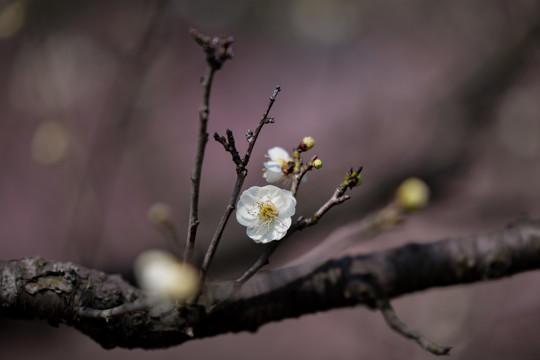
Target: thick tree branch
pixel 66 293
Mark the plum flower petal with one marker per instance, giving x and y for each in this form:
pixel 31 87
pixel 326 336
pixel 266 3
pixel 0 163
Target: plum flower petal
pixel 266 212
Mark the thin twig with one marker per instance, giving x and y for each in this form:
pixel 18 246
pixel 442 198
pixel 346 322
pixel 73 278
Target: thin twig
pixel 261 261
pixel 217 51
pixel 298 177
pixel 351 181
pixel 252 136
pixel 241 173
pixel 337 198
pixel 206 84
pixel 210 252
pixel 230 146
pixel 401 328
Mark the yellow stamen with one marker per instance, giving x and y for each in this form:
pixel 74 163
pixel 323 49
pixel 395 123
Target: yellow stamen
pixel 267 212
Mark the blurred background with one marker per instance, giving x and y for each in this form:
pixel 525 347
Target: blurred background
pixel 98 121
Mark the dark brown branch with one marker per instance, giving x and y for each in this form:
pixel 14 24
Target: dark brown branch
pixel 34 288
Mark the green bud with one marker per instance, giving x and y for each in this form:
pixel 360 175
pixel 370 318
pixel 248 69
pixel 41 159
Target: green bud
pixel 317 164
pixel 360 180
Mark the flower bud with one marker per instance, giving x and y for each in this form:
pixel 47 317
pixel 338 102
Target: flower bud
pixel 307 144
pixel 317 164
pixel 412 194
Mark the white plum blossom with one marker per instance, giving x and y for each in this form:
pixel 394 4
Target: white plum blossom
pixel 266 211
pixel 275 168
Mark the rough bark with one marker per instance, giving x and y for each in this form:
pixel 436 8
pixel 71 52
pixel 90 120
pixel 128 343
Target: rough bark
pixel 33 288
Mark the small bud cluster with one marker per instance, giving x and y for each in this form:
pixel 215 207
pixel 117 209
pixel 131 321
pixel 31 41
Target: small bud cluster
pixel 282 166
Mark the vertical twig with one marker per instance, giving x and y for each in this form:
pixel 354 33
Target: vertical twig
pixel 217 50
pixel 202 139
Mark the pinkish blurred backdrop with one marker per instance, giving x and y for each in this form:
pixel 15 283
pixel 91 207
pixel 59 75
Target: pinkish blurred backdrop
pixel 98 119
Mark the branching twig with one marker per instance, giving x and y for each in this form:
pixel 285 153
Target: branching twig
pixel 217 50
pixel 351 180
pixel 298 177
pixel 252 136
pixel 401 328
pixel 241 173
pixel 230 147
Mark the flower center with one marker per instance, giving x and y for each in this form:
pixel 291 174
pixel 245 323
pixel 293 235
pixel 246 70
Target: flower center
pixel 287 166
pixel 267 212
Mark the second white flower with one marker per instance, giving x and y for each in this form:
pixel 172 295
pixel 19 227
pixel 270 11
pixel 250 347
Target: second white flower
pixel 276 168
